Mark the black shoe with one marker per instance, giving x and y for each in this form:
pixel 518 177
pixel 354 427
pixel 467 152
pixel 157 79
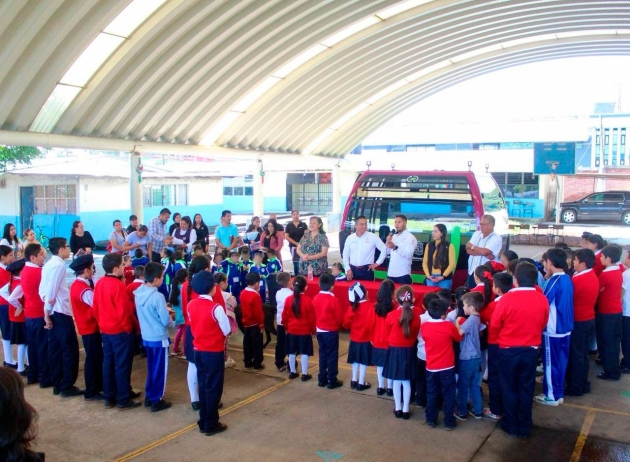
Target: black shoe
pixel 195 406
pixel 96 397
pixel 128 405
pixel 12 366
pixel 258 368
pixel 135 394
pixel 293 375
pixel 160 405
pixel 422 404
pixel 29 382
pixel 604 376
pixel 380 391
pixel 44 385
pixel 24 373
pixel 72 392
pixel 398 414
pixel 363 386
pixel 463 417
pixel 406 415
pixel 56 391
pixel 593 352
pixel 319 383
pixel 429 424
pixel 110 403
pixel 248 366
pixel 625 370
pixel 282 368
pixel 147 402
pixel 353 385
pixel 306 377
pixel 335 384
pixel 219 428
pixel 390 392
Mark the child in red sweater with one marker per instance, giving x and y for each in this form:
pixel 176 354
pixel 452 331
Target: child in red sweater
pixel 383 306
pixel 609 313
pixel 253 322
pixel 298 318
pixel 328 320
pixel 358 321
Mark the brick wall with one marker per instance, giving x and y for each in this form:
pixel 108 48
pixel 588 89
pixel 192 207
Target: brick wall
pixel 576 187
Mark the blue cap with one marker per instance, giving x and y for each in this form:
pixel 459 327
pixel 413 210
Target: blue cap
pixel 202 282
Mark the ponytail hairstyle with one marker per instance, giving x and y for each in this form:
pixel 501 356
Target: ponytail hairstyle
pixel 180 277
pixel 385 298
pixel 197 265
pixel 169 253
pixel 484 274
pixel 404 296
pixel 356 294
pixel 299 286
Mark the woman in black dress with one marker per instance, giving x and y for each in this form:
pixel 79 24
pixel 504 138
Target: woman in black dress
pixel 81 239
pixel 201 229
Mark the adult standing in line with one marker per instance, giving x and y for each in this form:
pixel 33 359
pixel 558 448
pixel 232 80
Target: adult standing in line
pixel 133 224
pixel 81 239
pixel 177 218
pixel 272 238
pixel 253 234
pixel 158 234
pixel 117 237
pixel 359 251
pixel 201 229
pixel 313 248
pixel 439 259
pixel 185 234
pixel 484 245
pixel 294 231
pixel 10 239
pixel 226 235
pixel 138 239
pixel 400 247
pixel 273 216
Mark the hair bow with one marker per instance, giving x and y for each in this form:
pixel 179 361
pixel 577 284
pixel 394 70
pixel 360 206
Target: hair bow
pixel 356 293
pixel 406 297
pixel 487 275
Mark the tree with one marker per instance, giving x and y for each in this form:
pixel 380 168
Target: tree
pixel 13 155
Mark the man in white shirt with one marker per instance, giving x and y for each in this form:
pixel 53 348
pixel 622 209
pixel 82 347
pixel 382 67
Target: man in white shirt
pixel 400 247
pixel 484 245
pixel 63 346
pixel 359 251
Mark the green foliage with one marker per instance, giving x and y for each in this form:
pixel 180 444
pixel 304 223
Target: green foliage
pixel 13 155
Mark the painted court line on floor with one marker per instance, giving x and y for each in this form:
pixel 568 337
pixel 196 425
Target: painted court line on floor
pixel 586 428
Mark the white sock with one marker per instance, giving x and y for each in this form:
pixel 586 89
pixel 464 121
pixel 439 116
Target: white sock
pixel 8 352
pixel 193 386
pixel 362 370
pixel 292 364
pixel 406 385
pixel 21 356
pixel 397 395
pixel 304 364
pixel 379 375
pixel 355 372
pixel 390 383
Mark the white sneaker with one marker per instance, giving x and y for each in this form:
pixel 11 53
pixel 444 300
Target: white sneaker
pixel 540 369
pixel 230 363
pixel 542 399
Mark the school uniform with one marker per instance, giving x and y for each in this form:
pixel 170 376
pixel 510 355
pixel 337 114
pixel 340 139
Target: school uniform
pixel 360 323
pixel 494 383
pixel 520 318
pixel 128 274
pixel 234 276
pixel 209 325
pixel 281 340
pixel 341 277
pixel 274 265
pixel 609 321
pixel 400 361
pixel 18 322
pixel 328 319
pixel 263 272
pixel 421 365
pixel 82 299
pixel 299 330
pixel 557 335
pixel 585 293
pixel 5 322
pixel 39 369
pixel 253 324
pixel 379 341
pixel 625 339
pixel 189 349
pixel 116 320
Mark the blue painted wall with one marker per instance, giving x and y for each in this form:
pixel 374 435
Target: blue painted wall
pixel 538 208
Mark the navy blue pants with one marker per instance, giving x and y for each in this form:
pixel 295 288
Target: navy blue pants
pixel 281 346
pixel 210 375
pixel 93 366
pixel 328 356
pixel 406 279
pixel 157 369
pixel 470 281
pixel 117 362
pixel 38 369
pixel 494 382
pixel 421 382
pixel 625 342
pixel 253 346
pixel 577 370
pixel 63 352
pixel 5 323
pixel 609 332
pixel 441 385
pixel 361 273
pixel 517 373
pixel 555 353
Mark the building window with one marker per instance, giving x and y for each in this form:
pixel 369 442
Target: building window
pixel 517 184
pixel 56 200
pixel 165 195
pixel 238 186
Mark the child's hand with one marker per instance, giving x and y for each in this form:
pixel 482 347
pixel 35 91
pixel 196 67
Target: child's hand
pixel 459 320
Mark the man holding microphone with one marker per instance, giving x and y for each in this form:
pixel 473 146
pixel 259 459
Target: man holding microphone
pixel 400 246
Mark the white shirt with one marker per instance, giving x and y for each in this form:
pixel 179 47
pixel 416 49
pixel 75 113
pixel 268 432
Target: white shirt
pixel 625 285
pixel 360 250
pixel 493 242
pixel 87 296
pixel 281 298
pixel 193 239
pixel 400 259
pixel 220 316
pixel 14 297
pixel 422 352
pixel 54 287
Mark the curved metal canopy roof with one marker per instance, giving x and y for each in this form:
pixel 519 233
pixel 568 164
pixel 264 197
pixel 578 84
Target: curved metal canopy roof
pixel 291 76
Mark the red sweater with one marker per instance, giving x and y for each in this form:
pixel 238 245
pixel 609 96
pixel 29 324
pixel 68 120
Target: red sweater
pixel 598 267
pixel 328 312
pixel 128 274
pixel 305 324
pixel 112 308
pixel 609 300
pixel 481 289
pixel 395 334
pixel 12 317
pixel 5 277
pixel 439 336
pixel 207 334
pixel 585 293
pixel 251 307
pixel 520 317
pixel 33 304
pixel 186 300
pixel 379 332
pixel 360 322
pixel 486 318
pixel 82 312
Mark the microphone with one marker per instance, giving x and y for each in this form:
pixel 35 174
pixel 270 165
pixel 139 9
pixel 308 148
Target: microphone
pixel 393 232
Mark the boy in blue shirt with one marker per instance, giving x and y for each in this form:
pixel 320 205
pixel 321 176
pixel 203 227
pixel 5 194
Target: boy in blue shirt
pixel 263 272
pixel 232 269
pixel 139 259
pixel 273 264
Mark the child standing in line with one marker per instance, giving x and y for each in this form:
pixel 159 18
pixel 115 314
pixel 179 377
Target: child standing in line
pixel 328 319
pixel 139 258
pixel 439 336
pixel 469 357
pixel 229 305
pixel 402 327
pixel 138 273
pixel 175 299
pixel 359 321
pixel 253 323
pixel 128 271
pixel 217 262
pixel 625 337
pixel 273 264
pixel 245 263
pixel 383 306
pixel 261 270
pixel 298 318
pixel 231 268
pixel 338 272
pixel 12 292
pixel 421 366
pixel 6 257
pixel 283 280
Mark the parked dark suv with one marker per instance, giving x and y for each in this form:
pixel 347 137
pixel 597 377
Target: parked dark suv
pixel 609 205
